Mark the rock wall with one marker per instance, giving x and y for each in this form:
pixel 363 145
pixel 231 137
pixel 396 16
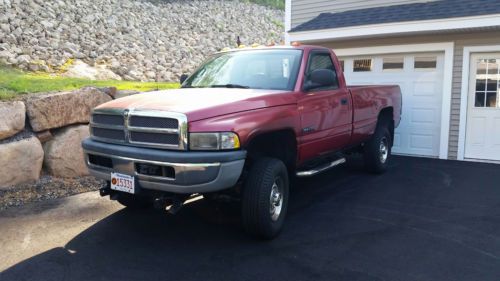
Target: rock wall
pixel 138 40
pixel 44 133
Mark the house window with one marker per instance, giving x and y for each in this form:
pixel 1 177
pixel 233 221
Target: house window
pixel 488 83
pixel 425 62
pixel 362 65
pixel 396 63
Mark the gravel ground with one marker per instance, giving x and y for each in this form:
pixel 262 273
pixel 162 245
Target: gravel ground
pixel 45 188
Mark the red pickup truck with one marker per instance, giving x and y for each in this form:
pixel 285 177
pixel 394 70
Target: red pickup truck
pixel 244 123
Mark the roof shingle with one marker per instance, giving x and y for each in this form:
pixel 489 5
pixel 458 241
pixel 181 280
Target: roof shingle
pixel 400 13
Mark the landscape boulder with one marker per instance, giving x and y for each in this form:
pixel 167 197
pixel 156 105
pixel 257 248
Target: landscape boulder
pixel 64 153
pixel 12 117
pixel 55 110
pixel 20 162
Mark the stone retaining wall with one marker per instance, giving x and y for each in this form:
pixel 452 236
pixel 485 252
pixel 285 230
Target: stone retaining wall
pixel 131 39
pixel 44 133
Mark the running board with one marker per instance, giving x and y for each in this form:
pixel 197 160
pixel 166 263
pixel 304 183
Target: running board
pixel 321 168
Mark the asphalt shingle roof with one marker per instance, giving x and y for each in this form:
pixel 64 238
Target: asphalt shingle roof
pixel 401 13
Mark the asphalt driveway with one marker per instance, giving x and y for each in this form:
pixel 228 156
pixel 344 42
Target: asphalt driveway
pixel 423 220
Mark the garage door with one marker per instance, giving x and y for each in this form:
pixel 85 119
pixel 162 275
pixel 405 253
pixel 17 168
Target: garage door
pixel 483 111
pixel 420 77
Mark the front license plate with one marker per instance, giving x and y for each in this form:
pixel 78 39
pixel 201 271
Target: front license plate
pixel 121 182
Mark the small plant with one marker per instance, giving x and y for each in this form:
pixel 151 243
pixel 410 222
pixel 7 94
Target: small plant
pixel 277 4
pixel 278 23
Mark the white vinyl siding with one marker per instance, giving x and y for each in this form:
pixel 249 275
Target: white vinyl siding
pixel 305 10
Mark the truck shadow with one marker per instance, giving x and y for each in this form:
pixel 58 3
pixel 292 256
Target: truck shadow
pixel 203 241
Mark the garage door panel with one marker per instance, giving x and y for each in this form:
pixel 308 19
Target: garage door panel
pixel 423 116
pixel 426 89
pixel 422 141
pixel 397 139
pixel 420 129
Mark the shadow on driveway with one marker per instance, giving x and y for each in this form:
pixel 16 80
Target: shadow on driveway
pixel 423 220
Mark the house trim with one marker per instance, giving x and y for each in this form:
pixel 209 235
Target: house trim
pixel 464 95
pixel 447 48
pixel 393 28
pixel 288 20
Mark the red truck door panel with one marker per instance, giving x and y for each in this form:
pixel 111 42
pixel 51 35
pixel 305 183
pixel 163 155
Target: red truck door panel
pixel 326 114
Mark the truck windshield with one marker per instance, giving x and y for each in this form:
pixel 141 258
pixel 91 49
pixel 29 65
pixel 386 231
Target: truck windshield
pixel 253 69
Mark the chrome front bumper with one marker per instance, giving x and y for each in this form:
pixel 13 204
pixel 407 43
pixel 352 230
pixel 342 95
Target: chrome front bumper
pixel 193 172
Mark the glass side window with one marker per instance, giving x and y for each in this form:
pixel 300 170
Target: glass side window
pixel 362 65
pixel 321 61
pixel 425 63
pixel 393 63
pixel 487 83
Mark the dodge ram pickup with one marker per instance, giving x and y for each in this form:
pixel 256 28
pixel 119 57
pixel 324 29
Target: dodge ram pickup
pixel 243 125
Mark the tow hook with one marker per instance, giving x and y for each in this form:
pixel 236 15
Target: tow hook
pixel 177 204
pixel 171 204
pixel 105 190
pixel 160 203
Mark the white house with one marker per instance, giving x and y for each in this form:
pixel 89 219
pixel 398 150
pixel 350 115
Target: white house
pixel 445 55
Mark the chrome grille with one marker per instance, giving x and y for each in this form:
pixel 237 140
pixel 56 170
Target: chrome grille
pixel 169 139
pixel 107 119
pixel 140 128
pixel 102 133
pixel 153 122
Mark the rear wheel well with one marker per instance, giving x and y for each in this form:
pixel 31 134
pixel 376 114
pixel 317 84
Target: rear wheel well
pixel 281 145
pixel 386 116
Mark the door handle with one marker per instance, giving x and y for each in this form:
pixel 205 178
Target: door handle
pixel 343 101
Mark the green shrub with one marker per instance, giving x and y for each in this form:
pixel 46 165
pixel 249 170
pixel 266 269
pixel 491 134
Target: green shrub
pixel 278 4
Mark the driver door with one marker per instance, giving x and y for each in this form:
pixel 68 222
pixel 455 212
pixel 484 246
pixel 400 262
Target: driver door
pixel 326 113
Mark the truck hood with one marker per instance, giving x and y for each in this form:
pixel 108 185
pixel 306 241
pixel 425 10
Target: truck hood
pixel 202 103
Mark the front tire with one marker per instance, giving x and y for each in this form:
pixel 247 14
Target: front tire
pixel 265 198
pixel 377 151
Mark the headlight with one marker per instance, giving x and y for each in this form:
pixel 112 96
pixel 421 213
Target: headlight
pixel 213 141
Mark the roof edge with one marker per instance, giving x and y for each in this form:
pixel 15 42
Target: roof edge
pixel 395 28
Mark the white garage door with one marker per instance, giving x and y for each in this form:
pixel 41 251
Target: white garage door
pixel 483 113
pixel 420 77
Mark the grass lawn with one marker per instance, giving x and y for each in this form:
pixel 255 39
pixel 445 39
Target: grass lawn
pixel 14 83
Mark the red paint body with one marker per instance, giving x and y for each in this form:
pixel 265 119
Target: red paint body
pixel 331 125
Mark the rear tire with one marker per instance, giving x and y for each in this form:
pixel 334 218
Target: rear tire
pixel 265 198
pixel 377 151
pixel 133 202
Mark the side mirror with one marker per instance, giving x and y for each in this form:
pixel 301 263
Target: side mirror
pixel 320 78
pixel 183 78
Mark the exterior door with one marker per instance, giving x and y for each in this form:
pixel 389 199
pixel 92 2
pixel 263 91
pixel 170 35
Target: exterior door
pixel 326 113
pixel 483 113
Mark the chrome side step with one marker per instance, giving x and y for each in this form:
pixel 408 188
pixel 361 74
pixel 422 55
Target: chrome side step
pixel 320 168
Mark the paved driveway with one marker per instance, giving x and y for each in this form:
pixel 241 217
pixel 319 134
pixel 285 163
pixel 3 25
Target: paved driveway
pixel 423 220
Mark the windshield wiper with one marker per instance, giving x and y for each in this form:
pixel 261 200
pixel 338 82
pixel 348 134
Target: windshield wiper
pixel 230 86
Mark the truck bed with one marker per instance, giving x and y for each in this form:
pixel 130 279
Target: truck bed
pixel 367 102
